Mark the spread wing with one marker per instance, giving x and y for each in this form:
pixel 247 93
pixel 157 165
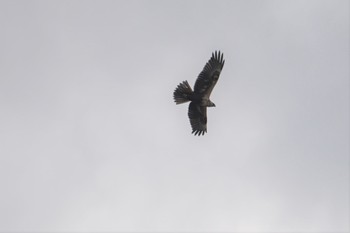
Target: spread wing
pixel 198 118
pixel 209 75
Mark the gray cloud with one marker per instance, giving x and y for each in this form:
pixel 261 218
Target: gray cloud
pixel 92 141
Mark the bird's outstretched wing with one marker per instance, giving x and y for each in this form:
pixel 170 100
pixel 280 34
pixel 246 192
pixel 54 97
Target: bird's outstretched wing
pixel 198 118
pixel 210 74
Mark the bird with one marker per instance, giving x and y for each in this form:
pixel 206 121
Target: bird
pixel 199 97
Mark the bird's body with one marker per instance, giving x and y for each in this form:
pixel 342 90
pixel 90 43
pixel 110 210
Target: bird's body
pixel 200 96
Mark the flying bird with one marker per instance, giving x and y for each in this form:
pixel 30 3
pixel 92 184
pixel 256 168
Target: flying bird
pixel 199 97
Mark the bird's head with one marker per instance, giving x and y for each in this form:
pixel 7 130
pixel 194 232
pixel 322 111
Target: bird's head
pixel 211 104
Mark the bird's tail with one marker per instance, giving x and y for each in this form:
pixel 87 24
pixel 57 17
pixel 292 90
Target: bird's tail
pixel 182 93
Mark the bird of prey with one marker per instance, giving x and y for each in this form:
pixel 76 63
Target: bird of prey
pixel 199 97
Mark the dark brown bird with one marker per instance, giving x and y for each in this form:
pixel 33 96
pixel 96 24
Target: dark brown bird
pixel 197 111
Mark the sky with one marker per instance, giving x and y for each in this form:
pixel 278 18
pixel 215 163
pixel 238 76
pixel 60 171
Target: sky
pixel 92 141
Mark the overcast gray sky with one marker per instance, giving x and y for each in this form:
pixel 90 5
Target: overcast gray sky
pixel 91 140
